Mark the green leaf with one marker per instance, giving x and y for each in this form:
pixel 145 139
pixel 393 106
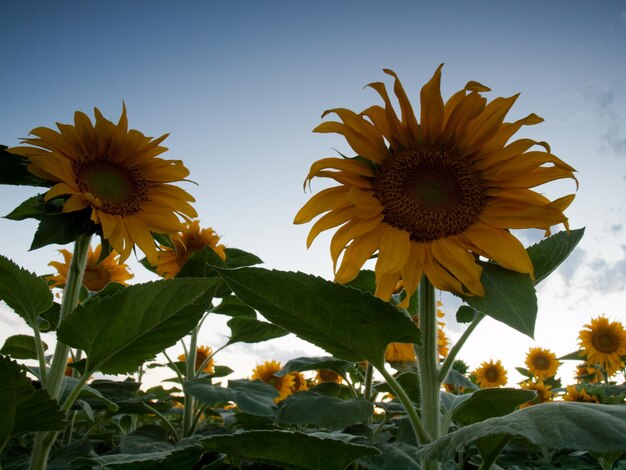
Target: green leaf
pixel 31 208
pixel 248 330
pixel 252 397
pixel 26 293
pixel 290 449
pixel 490 403
pixel 454 377
pixel 395 455
pixel 323 411
pixel 121 331
pixel 365 281
pixel 574 426
pixel 549 253
pixel 49 318
pixel 236 258
pixel 346 322
pixel 21 347
pixel 38 413
pixel 200 264
pixel 302 364
pixel 573 356
pixel 62 228
pixel 144 440
pixel 234 307
pixel 465 314
pixel 14 171
pixel 509 297
pixel 177 459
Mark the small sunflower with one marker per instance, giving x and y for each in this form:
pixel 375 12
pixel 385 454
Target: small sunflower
pixel 189 241
pixel 113 171
pixel 327 375
pixel 579 394
pixel 542 363
pixel 430 197
pixel 266 373
pixel 604 343
pixel 202 352
pixel 543 392
pixel 585 373
pixel 400 352
pixel 299 382
pixel 490 374
pixel 97 274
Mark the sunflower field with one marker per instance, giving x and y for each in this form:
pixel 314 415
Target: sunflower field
pixel 429 199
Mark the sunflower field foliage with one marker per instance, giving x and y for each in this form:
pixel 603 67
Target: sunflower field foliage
pixel 428 201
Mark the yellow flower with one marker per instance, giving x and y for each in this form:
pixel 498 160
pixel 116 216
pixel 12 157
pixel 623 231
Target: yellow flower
pixel 430 197
pixel 265 372
pixel 299 382
pixel 604 343
pixel 575 393
pixel 543 392
pixel 69 371
pixel 400 352
pixel 190 240
pixel 542 363
pixel 327 375
pixel 113 171
pixel 202 352
pixel 584 373
pixel 490 374
pixel 97 274
pixel 442 342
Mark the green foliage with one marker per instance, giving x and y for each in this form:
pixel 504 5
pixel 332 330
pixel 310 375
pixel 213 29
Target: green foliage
pixel 21 347
pixel 249 330
pixel 121 331
pixel 236 258
pixel 465 314
pixel 549 253
pixel 234 307
pixel 489 403
pixel 26 293
pixel 342 320
pixel 302 364
pixel 14 171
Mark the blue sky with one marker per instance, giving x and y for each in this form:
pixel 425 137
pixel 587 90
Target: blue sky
pixel 240 85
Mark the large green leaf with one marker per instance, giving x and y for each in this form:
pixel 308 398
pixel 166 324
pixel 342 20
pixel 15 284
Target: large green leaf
pixel 21 347
pixel 121 331
pixel 346 322
pixel 395 456
pixel 62 227
pixel 236 258
pixel 14 171
pixel 490 403
pixel 252 397
pixel 324 411
pixel 26 293
pixel 574 426
pixel 249 330
pixel 302 364
pixel 31 208
pixel 549 253
pixel 290 449
pixel 176 459
pixel 509 297
pixel 233 307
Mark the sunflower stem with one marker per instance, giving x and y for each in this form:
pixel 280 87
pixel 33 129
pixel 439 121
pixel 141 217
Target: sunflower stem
pixel 369 376
pixel 190 372
pixel 41 355
pixel 428 361
pixel 454 351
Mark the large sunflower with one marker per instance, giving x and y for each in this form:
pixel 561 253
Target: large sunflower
pixel 490 374
pixel 430 196
pixel 190 240
pixel 604 343
pixel 266 373
pixel 97 274
pixel 113 171
pixel 542 363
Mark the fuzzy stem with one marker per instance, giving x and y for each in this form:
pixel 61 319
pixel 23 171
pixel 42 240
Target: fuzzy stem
pixel 190 373
pixel 454 351
pixel 41 355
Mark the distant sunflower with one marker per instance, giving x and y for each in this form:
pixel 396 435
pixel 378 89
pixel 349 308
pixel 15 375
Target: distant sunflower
pixel 299 382
pixel 604 343
pixel 543 392
pixel 585 373
pixel 113 171
pixel 189 241
pixel 430 197
pixel 69 371
pixel 97 274
pixel 327 375
pixel 490 374
pixel 202 352
pixel 542 363
pixel 400 352
pixel 579 394
pixel 266 373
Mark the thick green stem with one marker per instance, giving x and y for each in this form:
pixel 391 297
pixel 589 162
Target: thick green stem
pixel 369 379
pixel 454 351
pixel 190 373
pixel 54 380
pixel 428 357
pixel 41 356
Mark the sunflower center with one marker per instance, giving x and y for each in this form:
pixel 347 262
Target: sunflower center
pixel 542 363
pixel 429 192
pixel 119 190
pixel 492 374
pixel 604 342
pixel 96 278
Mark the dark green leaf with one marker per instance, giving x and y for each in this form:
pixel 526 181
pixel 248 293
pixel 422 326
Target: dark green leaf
pixel 38 413
pixel 395 456
pixel 573 356
pixel 234 307
pixel 236 258
pixel 89 393
pixel 302 364
pixel 454 377
pixel 62 228
pixel 176 459
pixel 509 298
pixel 31 208
pixel 409 381
pixel 365 281
pixel 575 426
pixel 121 331
pixel 549 253
pixel 465 314
pixel 49 318
pixel 200 264
pixel 323 411
pixel 14 171
pixel 490 403
pixel 248 330
pixel 145 440
pixel 344 321
pixel 290 449
pixel 26 293
pixel 21 347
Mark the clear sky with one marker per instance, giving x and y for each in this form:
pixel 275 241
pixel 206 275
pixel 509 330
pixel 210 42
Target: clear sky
pixel 240 85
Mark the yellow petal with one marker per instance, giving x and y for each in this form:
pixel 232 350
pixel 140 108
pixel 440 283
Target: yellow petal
pixel 399 138
pixel 328 221
pixel 413 269
pixel 359 143
pixel 432 114
pixel 365 204
pixel 386 284
pixel 351 230
pixel 439 277
pixel 355 256
pixel 394 251
pixel 324 201
pixel 459 262
pixel 409 122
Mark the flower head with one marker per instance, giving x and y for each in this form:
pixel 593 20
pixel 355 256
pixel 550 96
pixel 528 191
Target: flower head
pixel 400 352
pixel 266 373
pixel 578 393
pixel 604 343
pixel 543 392
pixel 115 173
pixel 97 274
pixel 189 241
pixel 202 353
pixel 327 375
pixel 299 382
pixel 542 363
pixel 490 374
pixel 431 196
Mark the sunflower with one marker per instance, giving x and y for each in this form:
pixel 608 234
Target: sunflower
pixel 400 352
pixel 585 373
pixel 490 374
pixel 202 352
pixel 266 373
pixel 113 171
pixel 299 382
pixel 574 393
pixel 327 375
pixel 69 371
pixel 430 197
pixel 604 343
pixel 189 241
pixel 542 363
pixel 543 392
pixel 97 274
